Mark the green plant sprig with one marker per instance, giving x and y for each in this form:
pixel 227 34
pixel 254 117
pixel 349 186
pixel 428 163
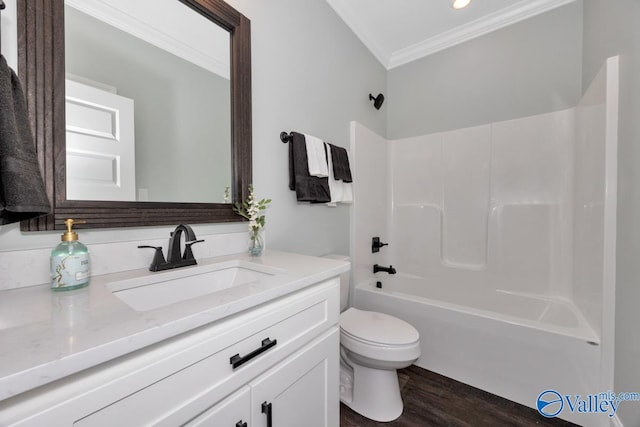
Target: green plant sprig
pixel 250 209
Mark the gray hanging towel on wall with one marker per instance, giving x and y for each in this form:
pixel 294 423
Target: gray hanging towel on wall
pixel 308 188
pixel 22 191
pixel 341 168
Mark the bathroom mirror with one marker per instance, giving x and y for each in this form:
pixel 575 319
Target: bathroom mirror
pixel 220 158
pixel 148 108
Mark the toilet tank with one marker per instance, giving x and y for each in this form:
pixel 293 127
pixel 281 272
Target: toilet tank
pixel 344 281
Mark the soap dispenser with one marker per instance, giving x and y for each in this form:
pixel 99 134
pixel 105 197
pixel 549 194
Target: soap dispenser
pixel 70 267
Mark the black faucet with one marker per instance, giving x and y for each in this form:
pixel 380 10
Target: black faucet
pixel 175 259
pixel 390 269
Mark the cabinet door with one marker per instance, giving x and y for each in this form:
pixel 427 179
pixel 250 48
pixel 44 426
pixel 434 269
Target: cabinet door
pixel 234 411
pixel 302 390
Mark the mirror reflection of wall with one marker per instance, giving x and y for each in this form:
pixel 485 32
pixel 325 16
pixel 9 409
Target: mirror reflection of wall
pixel 181 113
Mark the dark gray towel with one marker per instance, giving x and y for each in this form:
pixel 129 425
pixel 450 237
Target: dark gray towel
pixel 308 188
pixel 22 192
pixel 341 168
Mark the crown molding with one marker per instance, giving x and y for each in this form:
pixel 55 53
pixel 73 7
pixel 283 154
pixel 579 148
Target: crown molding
pixel 492 22
pixel 126 22
pixel 353 21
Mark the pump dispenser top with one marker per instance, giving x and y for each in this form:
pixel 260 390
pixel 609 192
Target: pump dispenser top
pixel 70 235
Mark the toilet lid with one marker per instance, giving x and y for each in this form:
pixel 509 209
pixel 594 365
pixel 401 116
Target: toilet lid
pixel 377 327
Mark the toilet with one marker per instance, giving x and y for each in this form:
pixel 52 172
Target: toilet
pixel 373 346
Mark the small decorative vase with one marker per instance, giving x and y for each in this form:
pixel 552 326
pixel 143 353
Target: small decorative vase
pixel 256 244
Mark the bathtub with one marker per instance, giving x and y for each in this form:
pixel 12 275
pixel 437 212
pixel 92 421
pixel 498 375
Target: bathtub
pixel 509 344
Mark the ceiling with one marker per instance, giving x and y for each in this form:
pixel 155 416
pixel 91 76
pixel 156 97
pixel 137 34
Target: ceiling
pixel 400 31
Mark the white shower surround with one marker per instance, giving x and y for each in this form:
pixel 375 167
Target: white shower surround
pixel 503 236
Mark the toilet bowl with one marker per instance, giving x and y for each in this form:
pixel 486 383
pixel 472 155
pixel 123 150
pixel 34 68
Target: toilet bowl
pixel 372 347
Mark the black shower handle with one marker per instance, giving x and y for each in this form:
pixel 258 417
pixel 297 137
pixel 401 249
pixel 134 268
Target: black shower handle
pixel 376 244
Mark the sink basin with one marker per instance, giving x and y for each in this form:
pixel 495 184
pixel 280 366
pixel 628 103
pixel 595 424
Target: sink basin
pixel 166 288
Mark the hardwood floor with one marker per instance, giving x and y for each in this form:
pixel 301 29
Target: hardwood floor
pixel 431 400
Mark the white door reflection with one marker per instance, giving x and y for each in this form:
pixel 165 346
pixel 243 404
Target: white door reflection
pixel 100 144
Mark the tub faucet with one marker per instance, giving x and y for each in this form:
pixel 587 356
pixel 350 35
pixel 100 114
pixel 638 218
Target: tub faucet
pixel 175 258
pixel 390 269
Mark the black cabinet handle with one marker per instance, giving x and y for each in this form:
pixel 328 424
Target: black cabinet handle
pixel 268 410
pixel 241 424
pixel 236 360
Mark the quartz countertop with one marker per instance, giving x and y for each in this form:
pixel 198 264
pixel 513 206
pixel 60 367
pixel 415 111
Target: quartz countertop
pixel 45 335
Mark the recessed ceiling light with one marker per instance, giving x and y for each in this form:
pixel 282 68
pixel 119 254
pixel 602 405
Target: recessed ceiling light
pixel 459 4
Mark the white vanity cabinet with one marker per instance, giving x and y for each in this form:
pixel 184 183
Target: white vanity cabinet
pixel 233 411
pixel 273 365
pixel 301 391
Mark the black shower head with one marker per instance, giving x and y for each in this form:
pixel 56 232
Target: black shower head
pixel 377 101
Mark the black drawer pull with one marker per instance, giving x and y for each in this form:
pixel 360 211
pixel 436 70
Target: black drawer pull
pixel 236 360
pixel 268 410
pixel 241 424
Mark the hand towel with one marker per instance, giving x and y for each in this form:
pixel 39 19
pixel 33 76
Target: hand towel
pixel 316 156
pixel 335 186
pixel 341 192
pixel 347 192
pixel 341 169
pixel 22 191
pixel 308 188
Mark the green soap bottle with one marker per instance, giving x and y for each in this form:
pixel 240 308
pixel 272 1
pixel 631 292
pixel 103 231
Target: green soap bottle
pixel 70 267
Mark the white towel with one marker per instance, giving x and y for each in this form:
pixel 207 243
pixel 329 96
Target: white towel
pixel 316 158
pixel 347 192
pixel 340 191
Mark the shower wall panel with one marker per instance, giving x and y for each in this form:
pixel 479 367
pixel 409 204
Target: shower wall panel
pixel 490 205
pixel 466 170
pixel 589 200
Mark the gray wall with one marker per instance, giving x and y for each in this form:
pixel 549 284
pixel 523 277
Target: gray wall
pixel 310 74
pixel 528 68
pixel 611 28
pixel 182 111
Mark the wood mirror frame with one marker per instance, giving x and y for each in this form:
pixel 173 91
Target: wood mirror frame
pixel 41 66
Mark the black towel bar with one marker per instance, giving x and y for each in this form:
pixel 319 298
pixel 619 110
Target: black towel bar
pixel 284 137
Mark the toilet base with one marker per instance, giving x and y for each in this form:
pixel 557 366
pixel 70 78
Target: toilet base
pixel 375 393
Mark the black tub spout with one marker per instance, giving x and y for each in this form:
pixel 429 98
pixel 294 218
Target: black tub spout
pixel 390 269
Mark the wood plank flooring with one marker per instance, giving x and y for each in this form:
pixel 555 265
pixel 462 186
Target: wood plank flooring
pixel 432 400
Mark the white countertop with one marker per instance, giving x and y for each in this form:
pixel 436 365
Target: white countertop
pixel 46 335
